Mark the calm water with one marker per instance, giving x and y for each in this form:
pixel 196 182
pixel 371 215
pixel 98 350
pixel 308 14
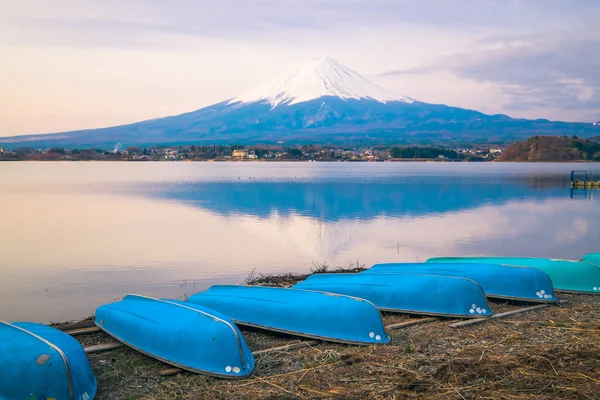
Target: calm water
pixel 76 235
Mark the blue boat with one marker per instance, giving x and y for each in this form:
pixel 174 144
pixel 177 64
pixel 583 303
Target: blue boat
pixel 304 313
pixel 185 335
pixel 408 293
pixel 497 281
pixel 592 258
pixel 566 275
pixel 41 362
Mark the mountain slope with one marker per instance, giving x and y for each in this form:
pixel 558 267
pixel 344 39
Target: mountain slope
pixel 321 77
pixel 321 102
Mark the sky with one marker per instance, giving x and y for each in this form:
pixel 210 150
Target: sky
pixel 76 64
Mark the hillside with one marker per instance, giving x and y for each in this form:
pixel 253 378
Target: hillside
pixel 550 148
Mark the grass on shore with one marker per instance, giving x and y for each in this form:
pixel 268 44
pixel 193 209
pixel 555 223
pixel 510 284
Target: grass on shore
pixel 551 353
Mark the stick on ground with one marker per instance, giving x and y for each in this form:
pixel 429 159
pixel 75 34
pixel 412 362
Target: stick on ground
pixel 502 315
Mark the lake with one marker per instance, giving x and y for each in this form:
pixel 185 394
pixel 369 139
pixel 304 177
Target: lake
pixel 77 235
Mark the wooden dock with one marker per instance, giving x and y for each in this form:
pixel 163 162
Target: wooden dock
pixel 585 185
pixel 583 180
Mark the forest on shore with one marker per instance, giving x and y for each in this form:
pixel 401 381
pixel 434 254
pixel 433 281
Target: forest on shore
pixel 553 148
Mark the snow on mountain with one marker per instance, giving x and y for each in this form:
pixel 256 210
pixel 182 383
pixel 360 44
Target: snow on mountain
pixel 318 78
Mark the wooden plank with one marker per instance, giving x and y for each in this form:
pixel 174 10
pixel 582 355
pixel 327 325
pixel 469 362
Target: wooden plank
pixel 83 331
pixel 170 371
pixel 477 321
pixel 506 314
pixel 66 326
pixel 102 347
pixel 286 347
pixel 173 371
pixel 417 321
pixel 411 322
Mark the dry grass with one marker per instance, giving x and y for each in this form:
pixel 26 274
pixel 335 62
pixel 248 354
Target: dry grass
pixel 552 353
pixel 289 279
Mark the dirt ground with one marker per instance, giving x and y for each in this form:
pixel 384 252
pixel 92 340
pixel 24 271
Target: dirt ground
pixel 549 353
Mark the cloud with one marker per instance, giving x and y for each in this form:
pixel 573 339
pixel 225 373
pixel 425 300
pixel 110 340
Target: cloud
pixel 131 22
pixel 558 70
pixel 66 59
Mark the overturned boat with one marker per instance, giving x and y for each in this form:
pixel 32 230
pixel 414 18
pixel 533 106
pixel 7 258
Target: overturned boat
pixel 41 362
pixel 566 275
pixel 408 293
pixel 592 258
pixel 304 313
pixel 497 281
pixel 185 335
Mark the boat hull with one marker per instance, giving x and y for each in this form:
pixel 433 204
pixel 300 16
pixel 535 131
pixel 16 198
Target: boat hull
pixel 593 258
pixel 566 275
pixel 497 281
pixel 298 312
pixel 185 335
pixel 38 361
pixel 408 293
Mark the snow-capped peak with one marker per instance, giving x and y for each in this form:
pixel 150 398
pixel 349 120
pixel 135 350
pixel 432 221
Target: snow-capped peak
pixel 317 78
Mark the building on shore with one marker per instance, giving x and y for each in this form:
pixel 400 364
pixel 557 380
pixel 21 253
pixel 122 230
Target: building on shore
pixel 240 154
pixel 243 154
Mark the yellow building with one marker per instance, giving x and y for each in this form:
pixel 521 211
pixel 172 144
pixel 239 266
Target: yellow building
pixel 240 154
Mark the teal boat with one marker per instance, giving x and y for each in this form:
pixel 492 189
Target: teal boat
pixel 566 275
pixel 304 313
pixel 593 258
pixel 497 281
pixel 41 362
pixel 185 335
pixel 408 293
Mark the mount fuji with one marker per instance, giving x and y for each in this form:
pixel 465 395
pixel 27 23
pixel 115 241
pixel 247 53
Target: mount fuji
pixel 321 101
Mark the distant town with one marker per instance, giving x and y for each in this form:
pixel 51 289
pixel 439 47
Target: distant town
pixel 536 148
pixel 257 153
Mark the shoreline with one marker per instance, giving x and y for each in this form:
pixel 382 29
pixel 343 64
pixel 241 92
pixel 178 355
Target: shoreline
pixel 550 352
pixel 315 161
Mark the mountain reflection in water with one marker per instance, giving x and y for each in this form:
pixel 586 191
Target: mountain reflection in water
pixel 335 201
pixel 77 235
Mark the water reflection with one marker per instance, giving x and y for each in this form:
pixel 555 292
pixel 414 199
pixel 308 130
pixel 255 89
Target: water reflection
pixel 583 194
pixel 349 200
pixel 70 244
